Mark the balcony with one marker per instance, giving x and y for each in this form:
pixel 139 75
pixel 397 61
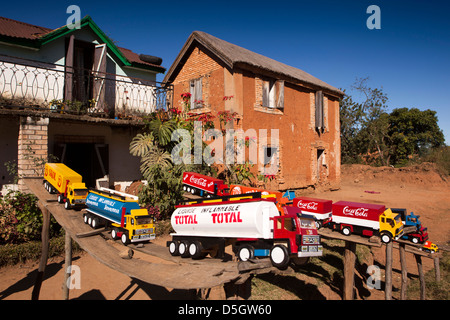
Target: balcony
pixel 38 86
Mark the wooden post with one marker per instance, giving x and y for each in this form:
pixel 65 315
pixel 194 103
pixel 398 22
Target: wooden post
pixel 437 270
pixel 67 265
pixel 44 254
pixel 421 276
pixel 404 289
pixel 388 272
pixel 241 289
pixel 349 269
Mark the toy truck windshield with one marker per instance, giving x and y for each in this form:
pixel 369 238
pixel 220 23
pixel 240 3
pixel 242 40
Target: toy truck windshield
pixel 307 223
pixel 140 220
pixel 81 192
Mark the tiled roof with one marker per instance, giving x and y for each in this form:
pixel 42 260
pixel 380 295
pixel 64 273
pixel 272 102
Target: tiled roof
pixel 18 29
pixel 21 30
pixel 232 54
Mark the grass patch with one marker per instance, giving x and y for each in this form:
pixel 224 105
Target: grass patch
pixel 433 290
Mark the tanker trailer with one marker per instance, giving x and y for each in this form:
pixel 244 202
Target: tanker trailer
pixel 254 228
pixel 123 214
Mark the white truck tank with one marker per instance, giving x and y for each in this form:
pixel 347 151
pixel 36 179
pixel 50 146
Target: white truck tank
pixel 231 220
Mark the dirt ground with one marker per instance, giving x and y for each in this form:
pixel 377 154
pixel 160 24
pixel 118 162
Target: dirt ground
pixel 419 189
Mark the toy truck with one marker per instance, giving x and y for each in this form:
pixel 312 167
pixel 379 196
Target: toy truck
pixel 202 185
pixel 366 219
pixel 122 213
pixel 412 220
pixel 320 209
pixel 253 226
pixel 430 247
pixel 280 199
pixel 60 179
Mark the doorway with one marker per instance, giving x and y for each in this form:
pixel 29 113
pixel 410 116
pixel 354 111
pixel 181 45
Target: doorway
pixel 320 164
pixel 91 160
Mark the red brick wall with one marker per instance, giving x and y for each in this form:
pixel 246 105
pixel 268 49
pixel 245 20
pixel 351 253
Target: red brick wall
pixel 299 140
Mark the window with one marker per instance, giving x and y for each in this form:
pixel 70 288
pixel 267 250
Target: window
pixel 196 93
pixel 269 152
pixel 273 94
pixel 319 110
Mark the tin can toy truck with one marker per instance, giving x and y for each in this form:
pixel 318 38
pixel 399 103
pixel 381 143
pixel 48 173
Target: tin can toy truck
pixel 60 179
pixel 367 220
pixel 253 226
pixel 121 213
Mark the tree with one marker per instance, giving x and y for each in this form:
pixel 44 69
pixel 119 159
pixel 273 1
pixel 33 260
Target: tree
pixel 413 132
pixel 364 124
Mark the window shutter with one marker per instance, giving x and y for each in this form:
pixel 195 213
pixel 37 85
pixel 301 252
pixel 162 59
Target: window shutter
pixel 198 89
pixel 280 100
pixel 319 110
pixel 192 92
pixel 265 97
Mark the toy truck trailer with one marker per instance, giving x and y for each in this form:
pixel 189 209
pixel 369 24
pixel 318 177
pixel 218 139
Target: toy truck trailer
pixel 202 185
pixel 412 220
pixel 366 219
pixel 320 209
pixel 60 179
pixel 123 214
pixel 254 228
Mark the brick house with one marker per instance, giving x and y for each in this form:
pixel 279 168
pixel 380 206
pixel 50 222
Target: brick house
pixel 266 94
pixel 73 93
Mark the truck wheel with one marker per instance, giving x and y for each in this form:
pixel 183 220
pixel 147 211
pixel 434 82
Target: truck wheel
pixel 124 238
pixel 386 237
pixel 279 256
pixel 195 250
pixel 60 199
pixel 183 249
pixel 173 248
pixel 94 223
pixel 415 240
pixel 114 234
pixel 246 252
pixel 86 218
pixel 67 205
pixel 346 231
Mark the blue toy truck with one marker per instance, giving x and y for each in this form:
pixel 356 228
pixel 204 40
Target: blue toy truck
pixel 412 220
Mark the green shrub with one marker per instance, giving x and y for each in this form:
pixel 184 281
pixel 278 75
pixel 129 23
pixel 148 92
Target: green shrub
pixel 21 219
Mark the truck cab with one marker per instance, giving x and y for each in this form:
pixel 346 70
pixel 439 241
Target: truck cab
pixel 138 225
pixel 391 226
pixel 300 233
pixel 76 196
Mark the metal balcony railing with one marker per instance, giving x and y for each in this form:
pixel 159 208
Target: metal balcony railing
pixel 52 87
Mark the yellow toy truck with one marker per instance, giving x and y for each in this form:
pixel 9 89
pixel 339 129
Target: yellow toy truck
pixel 60 179
pixel 429 247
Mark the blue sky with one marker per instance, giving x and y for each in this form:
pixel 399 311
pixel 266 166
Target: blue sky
pixel 409 57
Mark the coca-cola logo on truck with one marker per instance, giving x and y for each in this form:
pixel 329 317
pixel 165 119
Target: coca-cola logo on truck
pixel 307 205
pixel 198 181
pixel 356 212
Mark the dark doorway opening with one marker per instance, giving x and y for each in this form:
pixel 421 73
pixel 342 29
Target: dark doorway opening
pixel 88 159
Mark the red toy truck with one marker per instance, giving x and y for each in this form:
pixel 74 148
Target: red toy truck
pixel 320 209
pixel 366 219
pixel 253 226
pixel 202 185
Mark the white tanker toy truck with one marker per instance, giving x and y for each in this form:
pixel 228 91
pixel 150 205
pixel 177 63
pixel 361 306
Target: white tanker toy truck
pixel 252 225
